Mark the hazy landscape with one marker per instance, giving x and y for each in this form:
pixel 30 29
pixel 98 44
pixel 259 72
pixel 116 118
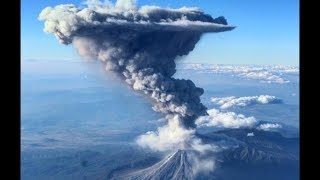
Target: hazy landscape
pixel 79 123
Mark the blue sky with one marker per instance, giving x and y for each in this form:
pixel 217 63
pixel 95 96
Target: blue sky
pixel 267 32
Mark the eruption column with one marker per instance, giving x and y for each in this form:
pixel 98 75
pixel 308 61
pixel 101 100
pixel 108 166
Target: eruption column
pixel 140 45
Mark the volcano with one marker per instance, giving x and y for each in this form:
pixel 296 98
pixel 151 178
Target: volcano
pixel 177 166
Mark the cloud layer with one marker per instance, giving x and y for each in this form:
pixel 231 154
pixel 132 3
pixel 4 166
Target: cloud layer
pixel 217 118
pixel 262 73
pixel 265 77
pixel 269 127
pixel 227 102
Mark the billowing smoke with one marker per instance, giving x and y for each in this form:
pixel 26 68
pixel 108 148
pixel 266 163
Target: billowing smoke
pixel 141 45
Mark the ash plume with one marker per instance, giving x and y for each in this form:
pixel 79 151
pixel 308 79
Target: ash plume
pixel 140 44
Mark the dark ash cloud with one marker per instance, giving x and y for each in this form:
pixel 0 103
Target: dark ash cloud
pixel 140 45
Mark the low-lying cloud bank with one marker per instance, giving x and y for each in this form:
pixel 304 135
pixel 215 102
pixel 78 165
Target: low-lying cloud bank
pixel 231 101
pixel 265 77
pixel 262 73
pixel 217 118
pixel 269 127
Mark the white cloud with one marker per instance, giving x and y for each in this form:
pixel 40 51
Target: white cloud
pixel 250 134
pixel 227 102
pixel 202 165
pixel 168 137
pixel 217 118
pixel 265 77
pixel 172 137
pixel 263 73
pixel 269 127
pixel 126 4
